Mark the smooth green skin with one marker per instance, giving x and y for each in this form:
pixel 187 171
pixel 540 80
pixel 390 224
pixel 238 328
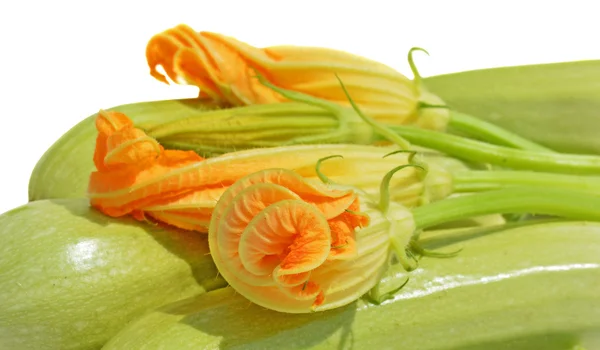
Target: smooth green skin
pixel 556 105
pixel 70 277
pixel 531 287
pixel 64 170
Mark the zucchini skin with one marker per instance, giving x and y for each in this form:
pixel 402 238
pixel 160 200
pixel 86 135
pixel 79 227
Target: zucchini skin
pixel 555 105
pixel 70 277
pixel 530 287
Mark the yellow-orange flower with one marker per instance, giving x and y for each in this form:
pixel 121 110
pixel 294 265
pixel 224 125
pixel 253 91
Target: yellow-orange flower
pixel 295 246
pixel 225 68
pixel 137 176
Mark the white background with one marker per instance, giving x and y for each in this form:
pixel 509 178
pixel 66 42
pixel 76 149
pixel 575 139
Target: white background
pixel 63 60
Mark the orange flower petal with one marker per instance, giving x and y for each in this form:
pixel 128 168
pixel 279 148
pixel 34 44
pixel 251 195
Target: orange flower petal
pixel 108 122
pixel 190 64
pixel 343 229
pixel 162 48
pixel 292 230
pixel 125 154
pixel 235 216
pixel 130 146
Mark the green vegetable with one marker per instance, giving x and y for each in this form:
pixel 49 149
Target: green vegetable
pixel 72 277
pixel 529 287
pixel 555 104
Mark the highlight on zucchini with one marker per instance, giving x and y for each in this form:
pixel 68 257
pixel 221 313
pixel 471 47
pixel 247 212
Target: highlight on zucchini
pixel 71 277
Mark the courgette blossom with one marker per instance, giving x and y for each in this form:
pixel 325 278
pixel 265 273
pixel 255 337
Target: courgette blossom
pixel 137 176
pixel 225 68
pixel 294 246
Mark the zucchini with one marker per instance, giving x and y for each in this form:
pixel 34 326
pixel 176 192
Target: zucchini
pixel 72 277
pixel 534 286
pixel 555 104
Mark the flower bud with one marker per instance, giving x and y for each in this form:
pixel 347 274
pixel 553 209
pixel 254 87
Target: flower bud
pixel 225 68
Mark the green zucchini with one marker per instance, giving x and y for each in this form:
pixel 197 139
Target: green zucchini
pixel 556 105
pixel 71 277
pixel 529 287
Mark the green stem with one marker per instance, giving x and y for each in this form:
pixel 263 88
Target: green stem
pixel 480 180
pixel 515 200
pixel 482 152
pixel 250 118
pixel 381 129
pixel 491 133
